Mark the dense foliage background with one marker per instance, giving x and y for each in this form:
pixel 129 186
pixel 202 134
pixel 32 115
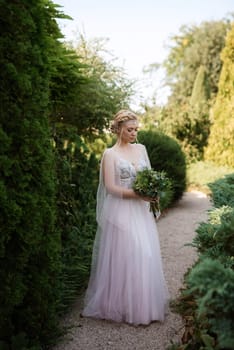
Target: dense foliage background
pixel 50 99
pixel 221 141
pixel 30 241
pixel 56 103
pixel 200 102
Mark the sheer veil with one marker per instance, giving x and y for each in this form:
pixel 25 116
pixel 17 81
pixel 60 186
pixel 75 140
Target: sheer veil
pixel 101 193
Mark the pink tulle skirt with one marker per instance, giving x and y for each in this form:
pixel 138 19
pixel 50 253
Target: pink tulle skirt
pixel 127 282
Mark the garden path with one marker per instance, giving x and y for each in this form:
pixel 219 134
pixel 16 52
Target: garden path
pixel 176 228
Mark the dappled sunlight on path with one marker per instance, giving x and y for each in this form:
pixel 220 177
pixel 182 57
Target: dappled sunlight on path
pixel 176 228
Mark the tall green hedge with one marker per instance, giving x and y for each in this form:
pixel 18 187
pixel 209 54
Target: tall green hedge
pixel 29 241
pixel 221 140
pixel 166 154
pixel 77 174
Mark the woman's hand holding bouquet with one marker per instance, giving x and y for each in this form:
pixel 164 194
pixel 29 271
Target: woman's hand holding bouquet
pixel 150 184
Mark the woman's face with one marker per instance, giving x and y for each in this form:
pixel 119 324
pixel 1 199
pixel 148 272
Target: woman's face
pixel 128 132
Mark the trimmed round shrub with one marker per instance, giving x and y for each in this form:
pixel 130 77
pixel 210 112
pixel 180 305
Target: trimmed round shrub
pixel 166 154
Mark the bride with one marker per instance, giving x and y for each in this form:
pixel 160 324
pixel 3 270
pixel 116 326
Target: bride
pixel 127 282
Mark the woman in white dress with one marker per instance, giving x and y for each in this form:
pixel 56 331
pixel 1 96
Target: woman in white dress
pixel 127 282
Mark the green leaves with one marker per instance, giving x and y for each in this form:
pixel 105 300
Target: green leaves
pixel 165 154
pixel 30 242
pixel 155 185
pixel 193 70
pixel 86 88
pixel 192 47
pixel 207 302
pixel 151 183
pixel 222 191
pixel 213 287
pixel 221 144
pixel 77 176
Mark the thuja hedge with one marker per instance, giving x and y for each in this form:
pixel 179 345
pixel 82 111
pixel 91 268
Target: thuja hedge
pixel 223 191
pixel 29 240
pixel 215 239
pixel 166 154
pixel 207 301
pixel 77 176
pixel 212 285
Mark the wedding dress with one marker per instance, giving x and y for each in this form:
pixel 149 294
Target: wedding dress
pixel 127 282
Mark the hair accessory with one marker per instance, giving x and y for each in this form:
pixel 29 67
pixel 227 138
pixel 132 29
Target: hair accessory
pixel 122 116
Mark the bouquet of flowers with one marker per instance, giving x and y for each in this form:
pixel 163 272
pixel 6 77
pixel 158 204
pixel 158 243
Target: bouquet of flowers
pixel 152 184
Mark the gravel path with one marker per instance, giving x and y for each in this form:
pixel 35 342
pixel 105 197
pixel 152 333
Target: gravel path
pixel 176 229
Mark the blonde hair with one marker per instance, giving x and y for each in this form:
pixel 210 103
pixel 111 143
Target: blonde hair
pixel 122 116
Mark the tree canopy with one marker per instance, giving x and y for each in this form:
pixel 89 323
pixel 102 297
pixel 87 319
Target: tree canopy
pixel 193 69
pixel 221 141
pixel 87 88
pixel 193 47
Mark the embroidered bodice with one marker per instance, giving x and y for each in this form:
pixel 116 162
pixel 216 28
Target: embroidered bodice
pixel 127 171
pixel 118 173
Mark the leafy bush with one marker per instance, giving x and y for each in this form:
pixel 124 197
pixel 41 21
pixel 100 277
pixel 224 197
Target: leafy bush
pixel 223 191
pixel 77 171
pixel 165 154
pixel 215 239
pixel 207 301
pixel 213 287
pixel 188 125
pixel 201 173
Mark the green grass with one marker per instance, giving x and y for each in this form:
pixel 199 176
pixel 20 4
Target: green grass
pixel 201 173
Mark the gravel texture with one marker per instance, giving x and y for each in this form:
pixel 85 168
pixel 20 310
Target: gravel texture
pixel 176 228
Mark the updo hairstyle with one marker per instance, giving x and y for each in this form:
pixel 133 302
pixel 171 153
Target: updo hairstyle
pixel 122 116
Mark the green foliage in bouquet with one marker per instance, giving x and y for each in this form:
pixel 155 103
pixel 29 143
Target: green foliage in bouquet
pixel 156 185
